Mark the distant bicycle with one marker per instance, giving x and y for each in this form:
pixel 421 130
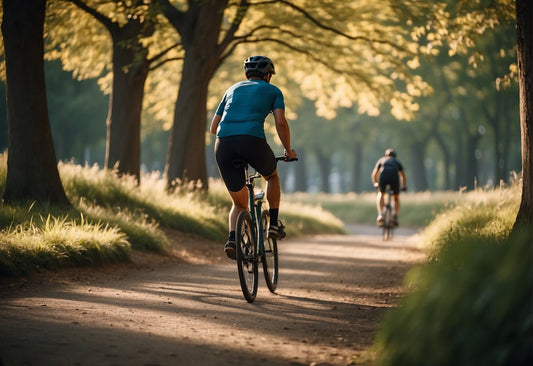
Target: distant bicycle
pixel 252 242
pixel 388 222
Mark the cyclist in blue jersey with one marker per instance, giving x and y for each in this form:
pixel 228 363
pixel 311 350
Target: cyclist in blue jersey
pixel 388 171
pixel 239 126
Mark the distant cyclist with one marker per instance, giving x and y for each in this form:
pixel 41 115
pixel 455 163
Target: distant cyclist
pixel 388 171
pixel 239 126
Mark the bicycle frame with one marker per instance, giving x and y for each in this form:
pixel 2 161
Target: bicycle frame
pixel 255 204
pixel 252 243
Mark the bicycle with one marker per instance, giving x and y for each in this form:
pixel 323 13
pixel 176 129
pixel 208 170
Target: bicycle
pixel 252 241
pixel 388 222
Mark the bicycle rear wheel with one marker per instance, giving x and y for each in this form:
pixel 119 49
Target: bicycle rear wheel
pixel 387 223
pixel 269 257
pixel 246 256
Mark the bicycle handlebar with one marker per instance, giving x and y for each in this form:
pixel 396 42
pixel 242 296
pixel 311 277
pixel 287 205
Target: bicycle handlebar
pixel 283 158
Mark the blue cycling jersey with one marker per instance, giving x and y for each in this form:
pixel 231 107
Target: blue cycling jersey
pixel 245 106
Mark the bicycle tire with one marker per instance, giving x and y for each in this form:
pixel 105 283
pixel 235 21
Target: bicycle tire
pixel 269 256
pixel 246 256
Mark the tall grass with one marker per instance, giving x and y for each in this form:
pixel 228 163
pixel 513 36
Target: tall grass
pixel 471 303
pixel 53 242
pixel 111 215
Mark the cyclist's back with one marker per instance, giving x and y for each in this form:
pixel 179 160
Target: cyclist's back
pixel 388 171
pixel 388 168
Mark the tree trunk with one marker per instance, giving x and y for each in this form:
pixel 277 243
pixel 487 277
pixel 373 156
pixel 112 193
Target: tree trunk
pixel 123 143
pixel 186 149
pixel 32 173
pixel 357 167
pixel 418 167
pixel 470 162
pixel 460 171
pixel 199 29
pixel 300 176
pixel 524 34
pixel 324 163
pixel 446 159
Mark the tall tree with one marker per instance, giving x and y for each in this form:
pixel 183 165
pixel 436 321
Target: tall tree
pixel 524 37
pixel 341 51
pixel 32 173
pixel 128 24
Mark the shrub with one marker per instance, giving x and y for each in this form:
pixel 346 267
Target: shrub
pixel 472 307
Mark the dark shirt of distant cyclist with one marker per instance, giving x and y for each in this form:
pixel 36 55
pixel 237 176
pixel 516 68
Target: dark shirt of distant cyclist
pixel 389 167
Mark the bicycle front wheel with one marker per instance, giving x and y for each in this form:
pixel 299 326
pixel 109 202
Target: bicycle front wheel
pixel 269 257
pixel 246 256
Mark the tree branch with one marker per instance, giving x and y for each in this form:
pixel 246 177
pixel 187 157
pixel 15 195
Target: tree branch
pixel 163 53
pixel 108 23
pixel 175 17
pixel 235 24
pixel 162 62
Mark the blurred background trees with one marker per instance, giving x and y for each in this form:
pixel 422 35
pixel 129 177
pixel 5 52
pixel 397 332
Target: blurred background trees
pixel 358 76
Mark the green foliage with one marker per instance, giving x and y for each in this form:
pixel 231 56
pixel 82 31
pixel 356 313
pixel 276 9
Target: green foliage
pixel 471 304
pixel 113 215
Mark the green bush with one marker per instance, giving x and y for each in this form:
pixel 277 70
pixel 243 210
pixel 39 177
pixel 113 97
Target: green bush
pixel 472 302
pixel 472 307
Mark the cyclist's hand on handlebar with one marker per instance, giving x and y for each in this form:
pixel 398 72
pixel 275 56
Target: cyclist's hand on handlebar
pixel 290 154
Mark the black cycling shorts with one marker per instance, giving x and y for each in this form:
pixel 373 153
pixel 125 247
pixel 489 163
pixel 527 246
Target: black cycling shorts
pixel 253 150
pixel 389 177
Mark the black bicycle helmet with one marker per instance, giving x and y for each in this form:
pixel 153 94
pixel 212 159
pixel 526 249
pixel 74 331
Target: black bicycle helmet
pixel 390 152
pixel 260 64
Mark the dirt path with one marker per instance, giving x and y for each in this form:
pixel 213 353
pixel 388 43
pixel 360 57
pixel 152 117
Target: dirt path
pixel 189 310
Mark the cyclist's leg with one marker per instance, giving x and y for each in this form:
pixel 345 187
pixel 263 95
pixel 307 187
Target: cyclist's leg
pixel 240 203
pixel 273 189
pixel 263 160
pixel 233 177
pixel 396 203
pixel 395 186
pixel 379 202
pixel 382 183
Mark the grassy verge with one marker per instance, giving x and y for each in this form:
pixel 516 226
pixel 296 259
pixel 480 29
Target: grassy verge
pixel 417 209
pixel 112 216
pixel 471 303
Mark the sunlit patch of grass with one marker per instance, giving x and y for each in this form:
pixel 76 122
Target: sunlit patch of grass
pixel 309 220
pixel 53 242
pixel 142 233
pixel 182 209
pixel 479 213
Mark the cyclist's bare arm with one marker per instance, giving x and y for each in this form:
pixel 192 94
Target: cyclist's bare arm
pixel 375 174
pixel 214 123
pixel 404 180
pixel 284 132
